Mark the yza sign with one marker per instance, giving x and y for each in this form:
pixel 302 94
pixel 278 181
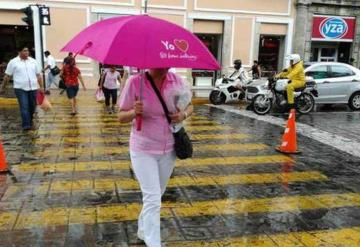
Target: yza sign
pixel 333 28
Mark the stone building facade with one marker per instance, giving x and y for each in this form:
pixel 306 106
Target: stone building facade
pixel 344 15
pixel 247 29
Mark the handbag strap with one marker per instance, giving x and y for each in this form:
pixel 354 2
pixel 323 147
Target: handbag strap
pixel 148 76
pixel 103 80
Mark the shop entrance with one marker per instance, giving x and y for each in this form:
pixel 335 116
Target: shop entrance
pixel 11 37
pixel 330 52
pixel 271 48
pixel 210 32
pixel 205 78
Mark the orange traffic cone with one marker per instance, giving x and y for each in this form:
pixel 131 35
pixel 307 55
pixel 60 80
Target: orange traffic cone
pixel 3 164
pixel 289 145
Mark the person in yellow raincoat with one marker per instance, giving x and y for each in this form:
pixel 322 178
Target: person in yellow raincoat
pixel 295 73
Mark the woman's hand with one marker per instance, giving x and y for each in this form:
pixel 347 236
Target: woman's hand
pixel 84 87
pixel 178 117
pixel 138 107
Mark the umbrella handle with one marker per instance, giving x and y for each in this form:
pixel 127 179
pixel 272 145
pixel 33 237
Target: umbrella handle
pixel 86 46
pixel 138 122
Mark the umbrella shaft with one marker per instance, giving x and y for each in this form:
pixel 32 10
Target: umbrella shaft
pixel 142 81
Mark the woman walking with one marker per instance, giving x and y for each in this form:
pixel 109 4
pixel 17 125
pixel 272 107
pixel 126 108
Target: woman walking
pixel 72 75
pixel 152 148
pixel 108 84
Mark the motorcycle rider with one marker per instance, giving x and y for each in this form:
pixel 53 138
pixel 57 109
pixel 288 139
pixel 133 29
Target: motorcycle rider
pixel 296 75
pixel 240 73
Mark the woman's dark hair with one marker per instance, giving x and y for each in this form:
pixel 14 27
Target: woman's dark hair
pixel 47 53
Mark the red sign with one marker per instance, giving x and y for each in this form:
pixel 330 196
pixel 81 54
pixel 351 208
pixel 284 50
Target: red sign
pixel 333 28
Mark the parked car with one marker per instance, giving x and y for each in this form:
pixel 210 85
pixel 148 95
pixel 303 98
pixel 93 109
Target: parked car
pixel 337 83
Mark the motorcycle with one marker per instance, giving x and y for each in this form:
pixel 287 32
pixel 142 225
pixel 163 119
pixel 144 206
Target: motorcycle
pixel 275 94
pixel 228 89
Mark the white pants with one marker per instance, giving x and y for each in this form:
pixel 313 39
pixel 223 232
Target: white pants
pixel 153 173
pixel 50 79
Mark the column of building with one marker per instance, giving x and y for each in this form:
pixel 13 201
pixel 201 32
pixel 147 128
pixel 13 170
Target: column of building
pixel 302 8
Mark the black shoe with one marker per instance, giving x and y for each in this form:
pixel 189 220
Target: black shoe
pixel 62 91
pixel 32 128
pixel 249 108
pixel 47 92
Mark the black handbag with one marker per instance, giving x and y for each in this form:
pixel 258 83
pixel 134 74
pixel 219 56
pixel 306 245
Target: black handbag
pixel 55 71
pixel 62 84
pixel 183 146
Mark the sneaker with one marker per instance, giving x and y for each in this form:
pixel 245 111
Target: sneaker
pixel 113 109
pixel 47 92
pixel 108 110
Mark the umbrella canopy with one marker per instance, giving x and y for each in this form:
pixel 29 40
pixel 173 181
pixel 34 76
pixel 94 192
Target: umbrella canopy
pixel 142 41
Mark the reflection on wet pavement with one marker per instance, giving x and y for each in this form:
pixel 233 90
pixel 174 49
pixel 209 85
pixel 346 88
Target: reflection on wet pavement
pixel 72 184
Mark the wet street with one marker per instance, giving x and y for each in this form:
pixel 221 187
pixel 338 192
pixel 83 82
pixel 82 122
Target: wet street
pixel 72 184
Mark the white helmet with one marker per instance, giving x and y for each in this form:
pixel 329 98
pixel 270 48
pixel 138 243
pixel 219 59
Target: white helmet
pixel 294 57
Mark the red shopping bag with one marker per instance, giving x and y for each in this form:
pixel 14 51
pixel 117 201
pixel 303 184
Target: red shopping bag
pixel 39 97
pixel 42 101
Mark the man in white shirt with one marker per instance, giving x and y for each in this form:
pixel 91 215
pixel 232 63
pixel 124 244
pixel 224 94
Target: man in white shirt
pixel 26 75
pixel 50 77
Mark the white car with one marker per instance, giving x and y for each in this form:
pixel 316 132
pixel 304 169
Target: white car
pixel 337 83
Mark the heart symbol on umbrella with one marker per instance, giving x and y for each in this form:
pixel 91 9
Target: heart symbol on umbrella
pixel 183 45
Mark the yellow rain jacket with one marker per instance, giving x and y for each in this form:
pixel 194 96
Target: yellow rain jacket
pixel 297 76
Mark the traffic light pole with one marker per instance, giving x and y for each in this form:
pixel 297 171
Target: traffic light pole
pixel 42 51
pixel 38 35
pixel 146 6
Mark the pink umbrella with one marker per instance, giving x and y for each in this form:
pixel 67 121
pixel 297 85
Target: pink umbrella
pixel 144 42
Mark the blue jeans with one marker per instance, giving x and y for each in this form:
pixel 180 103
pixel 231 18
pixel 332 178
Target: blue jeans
pixel 27 104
